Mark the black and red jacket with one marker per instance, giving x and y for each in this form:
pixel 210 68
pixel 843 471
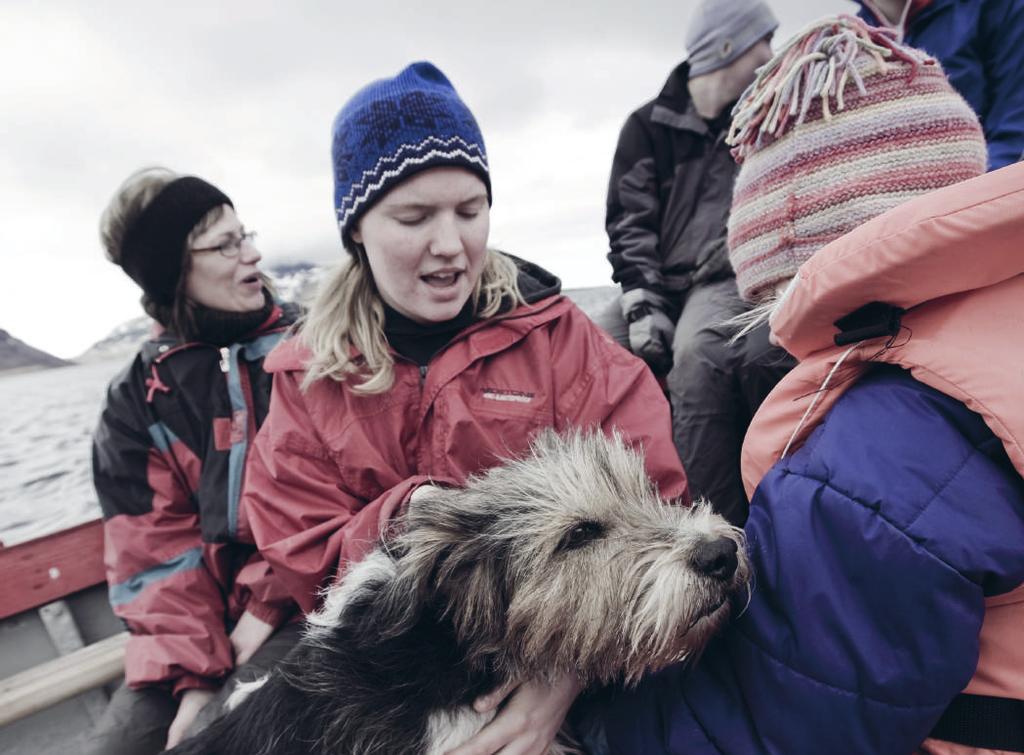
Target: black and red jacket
pixel 168 462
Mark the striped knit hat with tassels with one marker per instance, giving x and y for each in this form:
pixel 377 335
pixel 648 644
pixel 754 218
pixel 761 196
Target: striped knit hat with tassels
pixel 841 125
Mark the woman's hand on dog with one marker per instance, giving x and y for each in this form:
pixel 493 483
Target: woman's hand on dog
pixel 248 636
pixel 423 491
pixel 192 701
pixel 528 723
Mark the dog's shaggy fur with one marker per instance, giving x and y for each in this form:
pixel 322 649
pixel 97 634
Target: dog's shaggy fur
pixel 565 561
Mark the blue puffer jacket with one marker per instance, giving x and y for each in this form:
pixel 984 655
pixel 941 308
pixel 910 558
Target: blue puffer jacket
pixel 873 546
pixel 980 43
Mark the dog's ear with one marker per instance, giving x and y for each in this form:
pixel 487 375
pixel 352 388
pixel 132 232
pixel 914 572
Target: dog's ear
pixel 449 567
pixel 477 599
pixel 462 583
pixel 400 603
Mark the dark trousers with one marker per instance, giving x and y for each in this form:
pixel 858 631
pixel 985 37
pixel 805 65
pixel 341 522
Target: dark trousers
pixel 714 387
pixel 136 720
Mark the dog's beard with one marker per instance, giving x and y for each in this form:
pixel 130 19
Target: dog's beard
pixel 626 609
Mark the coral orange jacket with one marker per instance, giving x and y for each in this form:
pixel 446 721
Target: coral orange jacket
pixel 953 259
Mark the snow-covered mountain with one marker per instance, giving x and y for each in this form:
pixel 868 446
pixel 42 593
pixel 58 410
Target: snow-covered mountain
pixel 296 282
pixel 15 354
pixel 120 343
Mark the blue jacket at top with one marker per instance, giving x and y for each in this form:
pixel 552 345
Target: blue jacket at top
pixel 980 44
pixel 873 547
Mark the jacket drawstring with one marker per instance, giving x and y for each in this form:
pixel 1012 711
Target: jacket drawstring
pixel 154 384
pixel 817 395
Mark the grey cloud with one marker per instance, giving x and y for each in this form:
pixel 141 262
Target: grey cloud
pixel 244 93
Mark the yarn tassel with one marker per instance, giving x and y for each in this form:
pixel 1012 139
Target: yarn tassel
pixel 819 63
pixel 826 88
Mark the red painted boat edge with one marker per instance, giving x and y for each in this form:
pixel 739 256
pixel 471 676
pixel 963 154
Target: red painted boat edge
pixel 51 567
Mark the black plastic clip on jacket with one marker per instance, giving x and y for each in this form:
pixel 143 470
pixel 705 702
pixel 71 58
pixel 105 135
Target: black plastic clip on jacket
pixel 870 321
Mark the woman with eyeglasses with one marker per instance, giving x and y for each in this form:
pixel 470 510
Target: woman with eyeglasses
pixel 168 460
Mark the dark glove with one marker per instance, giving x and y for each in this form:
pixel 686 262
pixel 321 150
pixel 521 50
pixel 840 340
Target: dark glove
pixel 650 329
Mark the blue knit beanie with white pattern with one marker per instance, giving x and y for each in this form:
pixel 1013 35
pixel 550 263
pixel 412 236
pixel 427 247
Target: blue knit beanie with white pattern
pixel 396 127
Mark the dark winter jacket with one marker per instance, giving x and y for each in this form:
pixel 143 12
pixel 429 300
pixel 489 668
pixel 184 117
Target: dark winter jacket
pixel 669 196
pixel 168 458
pixel 330 467
pixel 980 44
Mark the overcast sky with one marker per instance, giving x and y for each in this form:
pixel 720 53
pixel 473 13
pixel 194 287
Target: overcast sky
pixel 243 94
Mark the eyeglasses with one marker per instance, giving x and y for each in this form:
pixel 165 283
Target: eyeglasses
pixel 232 246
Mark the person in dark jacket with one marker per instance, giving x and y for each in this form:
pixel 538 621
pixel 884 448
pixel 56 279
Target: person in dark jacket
pixel 980 43
pixel 668 201
pixel 428 357
pixel 887 525
pixel 168 458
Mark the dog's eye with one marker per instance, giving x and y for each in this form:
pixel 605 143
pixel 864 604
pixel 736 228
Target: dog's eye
pixel 580 535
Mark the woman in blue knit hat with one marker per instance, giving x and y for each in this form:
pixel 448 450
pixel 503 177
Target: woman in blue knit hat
pixel 426 358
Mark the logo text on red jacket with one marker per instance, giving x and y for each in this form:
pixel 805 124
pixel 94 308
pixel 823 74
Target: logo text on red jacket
pixel 505 394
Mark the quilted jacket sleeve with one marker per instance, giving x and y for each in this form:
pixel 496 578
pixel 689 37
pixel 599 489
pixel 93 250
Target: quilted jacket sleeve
pixel 874 547
pixel 153 549
pixel 1002 41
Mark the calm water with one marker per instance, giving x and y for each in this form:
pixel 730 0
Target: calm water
pixel 46 422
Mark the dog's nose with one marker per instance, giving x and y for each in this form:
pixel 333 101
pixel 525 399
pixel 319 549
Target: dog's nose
pixel 715 558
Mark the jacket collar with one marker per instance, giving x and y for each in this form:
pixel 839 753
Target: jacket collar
pixel 292 355
pixel 961 327
pixel 163 344
pixel 535 283
pixel 673 106
pixel 910 255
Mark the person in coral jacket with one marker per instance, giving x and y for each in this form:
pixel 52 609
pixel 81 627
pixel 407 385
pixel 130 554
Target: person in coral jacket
pixel 168 459
pixel 886 528
pixel 426 358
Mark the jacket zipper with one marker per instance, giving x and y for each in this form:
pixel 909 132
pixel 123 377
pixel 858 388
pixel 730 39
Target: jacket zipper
pixel 423 442
pixel 250 414
pixel 243 424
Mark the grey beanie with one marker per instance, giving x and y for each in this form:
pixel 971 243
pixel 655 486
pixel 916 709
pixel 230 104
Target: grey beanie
pixel 722 30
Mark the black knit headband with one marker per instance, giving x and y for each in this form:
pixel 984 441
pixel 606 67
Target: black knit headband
pixel 154 247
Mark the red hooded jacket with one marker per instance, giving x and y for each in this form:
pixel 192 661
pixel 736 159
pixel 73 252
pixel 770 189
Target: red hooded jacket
pixel 330 468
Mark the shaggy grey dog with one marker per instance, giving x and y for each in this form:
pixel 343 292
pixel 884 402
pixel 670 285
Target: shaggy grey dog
pixel 566 561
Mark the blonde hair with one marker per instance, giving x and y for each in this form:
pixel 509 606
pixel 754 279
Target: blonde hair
pixel 344 328
pixel 761 312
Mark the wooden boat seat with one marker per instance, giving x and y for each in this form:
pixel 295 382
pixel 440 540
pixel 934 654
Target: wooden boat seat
pixel 38 573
